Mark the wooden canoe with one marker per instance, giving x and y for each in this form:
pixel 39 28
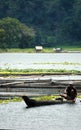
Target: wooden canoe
pixel 34 103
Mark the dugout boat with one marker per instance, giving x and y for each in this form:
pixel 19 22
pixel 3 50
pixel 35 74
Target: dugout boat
pixel 33 103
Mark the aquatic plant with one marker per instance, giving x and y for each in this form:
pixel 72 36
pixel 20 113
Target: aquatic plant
pixel 44 98
pixel 60 63
pixel 15 99
pixel 37 71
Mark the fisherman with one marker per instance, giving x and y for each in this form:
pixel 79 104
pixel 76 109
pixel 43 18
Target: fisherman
pixel 70 93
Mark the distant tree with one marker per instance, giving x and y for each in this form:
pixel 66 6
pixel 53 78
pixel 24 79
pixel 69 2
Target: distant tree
pixel 17 33
pixel 3 39
pixel 27 36
pixel 56 22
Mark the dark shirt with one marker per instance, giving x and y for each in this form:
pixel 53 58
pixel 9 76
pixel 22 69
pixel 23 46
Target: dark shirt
pixel 71 92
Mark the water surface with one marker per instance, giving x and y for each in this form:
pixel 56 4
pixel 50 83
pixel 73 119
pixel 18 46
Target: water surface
pixel 40 60
pixel 59 117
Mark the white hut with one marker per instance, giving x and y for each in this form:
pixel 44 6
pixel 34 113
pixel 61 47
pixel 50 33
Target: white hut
pixel 38 48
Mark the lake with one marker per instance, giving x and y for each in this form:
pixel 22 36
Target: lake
pixel 68 61
pixel 15 116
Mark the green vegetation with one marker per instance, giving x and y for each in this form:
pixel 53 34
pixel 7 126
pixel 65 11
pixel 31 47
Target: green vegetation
pixel 13 33
pixel 37 71
pixel 18 50
pixel 45 50
pixel 53 23
pixel 79 96
pixel 19 99
pixel 15 99
pixel 42 98
pixel 62 63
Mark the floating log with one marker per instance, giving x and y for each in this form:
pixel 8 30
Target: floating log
pixel 9 84
pixel 5 95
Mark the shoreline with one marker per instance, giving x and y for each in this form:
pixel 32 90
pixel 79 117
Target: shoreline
pixel 63 49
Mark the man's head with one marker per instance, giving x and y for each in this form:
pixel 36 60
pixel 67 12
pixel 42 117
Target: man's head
pixel 71 83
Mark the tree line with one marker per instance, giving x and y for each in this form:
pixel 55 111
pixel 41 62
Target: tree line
pixel 14 34
pixel 27 23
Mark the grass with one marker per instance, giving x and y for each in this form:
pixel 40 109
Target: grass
pixel 61 63
pixel 72 48
pixel 18 50
pixel 42 98
pixel 46 98
pixel 26 50
pixel 15 99
pixel 79 96
pixel 37 71
pixel 45 49
pixel 18 99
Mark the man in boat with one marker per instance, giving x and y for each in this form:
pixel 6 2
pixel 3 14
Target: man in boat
pixel 70 93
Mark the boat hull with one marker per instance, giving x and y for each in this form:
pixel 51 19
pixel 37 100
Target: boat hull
pixel 34 103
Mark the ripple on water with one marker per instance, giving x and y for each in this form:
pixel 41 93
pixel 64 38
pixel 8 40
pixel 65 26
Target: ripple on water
pixel 59 117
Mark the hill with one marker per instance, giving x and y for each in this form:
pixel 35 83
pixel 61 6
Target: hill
pixel 55 22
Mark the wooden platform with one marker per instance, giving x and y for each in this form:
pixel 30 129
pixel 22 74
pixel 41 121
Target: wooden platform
pixel 34 86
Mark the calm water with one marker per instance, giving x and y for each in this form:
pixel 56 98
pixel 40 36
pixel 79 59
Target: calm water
pixel 40 60
pixel 55 117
